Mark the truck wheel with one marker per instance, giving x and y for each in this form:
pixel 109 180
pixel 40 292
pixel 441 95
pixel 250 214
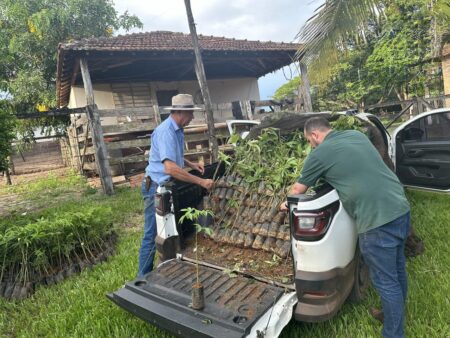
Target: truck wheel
pixel 362 280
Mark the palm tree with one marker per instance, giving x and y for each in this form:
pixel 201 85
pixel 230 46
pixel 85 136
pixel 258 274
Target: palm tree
pixel 324 35
pixel 332 22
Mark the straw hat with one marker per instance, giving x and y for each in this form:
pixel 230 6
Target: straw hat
pixel 183 102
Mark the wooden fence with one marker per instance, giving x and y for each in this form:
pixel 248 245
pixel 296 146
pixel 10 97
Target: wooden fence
pixel 128 139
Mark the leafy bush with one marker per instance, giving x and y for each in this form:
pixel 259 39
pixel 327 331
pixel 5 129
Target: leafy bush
pixel 31 249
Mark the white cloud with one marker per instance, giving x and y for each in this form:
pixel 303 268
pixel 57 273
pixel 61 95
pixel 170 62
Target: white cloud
pixel 248 19
pixel 265 20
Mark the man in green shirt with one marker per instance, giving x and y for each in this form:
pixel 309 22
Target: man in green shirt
pixel 374 197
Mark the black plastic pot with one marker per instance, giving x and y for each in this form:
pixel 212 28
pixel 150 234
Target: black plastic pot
pixel 198 296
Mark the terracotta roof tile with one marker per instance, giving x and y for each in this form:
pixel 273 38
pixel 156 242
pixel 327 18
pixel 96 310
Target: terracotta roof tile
pixel 167 41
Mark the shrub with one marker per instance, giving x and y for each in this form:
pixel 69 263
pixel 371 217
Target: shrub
pixel 33 249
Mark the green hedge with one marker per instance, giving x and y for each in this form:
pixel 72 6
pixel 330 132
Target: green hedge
pixel 34 249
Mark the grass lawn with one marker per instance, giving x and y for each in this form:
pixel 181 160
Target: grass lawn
pixel 77 307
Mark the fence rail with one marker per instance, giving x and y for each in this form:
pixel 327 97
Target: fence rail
pixel 128 141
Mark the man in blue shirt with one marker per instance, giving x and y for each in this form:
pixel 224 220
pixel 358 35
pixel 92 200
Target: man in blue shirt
pixel 166 160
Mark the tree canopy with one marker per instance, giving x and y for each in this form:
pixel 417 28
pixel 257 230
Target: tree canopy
pixel 325 36
pixel 394 60
pixel 29 37
pixel 30 32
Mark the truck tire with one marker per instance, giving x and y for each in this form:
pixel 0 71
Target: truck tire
pixel 362 280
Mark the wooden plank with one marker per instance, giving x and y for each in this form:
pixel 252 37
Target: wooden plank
pixel 82 139
pixel 128 159
pixel 144 158
pixel 147 112
pixel 128 127
pixel 204 151
pixel 101 158
pixel 203 128
pixel 91 166
pixel 119 179
pixel 82 121
pixel 143 142
pixel 56 112
pixel 203 137
pixel 89 151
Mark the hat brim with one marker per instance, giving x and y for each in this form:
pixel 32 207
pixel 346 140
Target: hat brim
pixel 185 109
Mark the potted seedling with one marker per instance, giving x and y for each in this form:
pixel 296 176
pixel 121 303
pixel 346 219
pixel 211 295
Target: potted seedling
pixel 193 214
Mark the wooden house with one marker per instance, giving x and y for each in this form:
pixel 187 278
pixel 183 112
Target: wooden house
pixel 134 76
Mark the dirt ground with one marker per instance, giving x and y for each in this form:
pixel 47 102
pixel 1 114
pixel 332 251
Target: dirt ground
pixel 250 261
pixel 13 203
pixel 30 177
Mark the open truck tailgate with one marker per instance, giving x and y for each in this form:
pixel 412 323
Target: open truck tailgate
pixel 234 306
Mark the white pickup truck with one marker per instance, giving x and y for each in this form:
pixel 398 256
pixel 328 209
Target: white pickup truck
pixel 327 267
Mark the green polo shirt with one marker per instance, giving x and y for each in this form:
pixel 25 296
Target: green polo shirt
pixel 369 191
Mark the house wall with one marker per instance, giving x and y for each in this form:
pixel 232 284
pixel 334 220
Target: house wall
pixel 221 91
pixel 446 71
pixel 103 98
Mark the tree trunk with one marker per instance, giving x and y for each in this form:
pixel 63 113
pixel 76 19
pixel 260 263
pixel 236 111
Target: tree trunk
pixel 200 71
pixel 8 177
pixel 305 88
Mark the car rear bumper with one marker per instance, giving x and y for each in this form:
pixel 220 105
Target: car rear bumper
pixel 321 294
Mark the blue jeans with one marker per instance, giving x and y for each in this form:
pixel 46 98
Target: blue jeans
pixel 147 251
pixel 383 252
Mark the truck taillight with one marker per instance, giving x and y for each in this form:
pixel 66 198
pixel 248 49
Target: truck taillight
pixel 162 203
pixel 312 225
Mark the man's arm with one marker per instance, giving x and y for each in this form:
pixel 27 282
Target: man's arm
pixel 171 168
pixel 296 189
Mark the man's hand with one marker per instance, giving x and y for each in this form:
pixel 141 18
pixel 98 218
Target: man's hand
pixel 207 184
pixel 284 206
pixel 195 166
pixel 172 169
pixel 199 167
pixel 296 189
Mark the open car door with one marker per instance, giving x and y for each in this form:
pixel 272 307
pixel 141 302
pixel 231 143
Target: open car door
pixel 422 151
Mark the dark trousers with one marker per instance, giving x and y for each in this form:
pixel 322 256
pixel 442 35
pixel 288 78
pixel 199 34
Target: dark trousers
pixel 383 251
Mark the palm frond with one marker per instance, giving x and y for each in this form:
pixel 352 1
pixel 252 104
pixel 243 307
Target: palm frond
pixel 323 35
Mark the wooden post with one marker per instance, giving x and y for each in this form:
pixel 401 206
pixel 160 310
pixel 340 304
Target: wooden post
pixel 101 157
pixel 86 134
pixel 200 71
pixel 247 107
pixel 157 114
pixel 77 147
pixel 11 165
pixel 305 91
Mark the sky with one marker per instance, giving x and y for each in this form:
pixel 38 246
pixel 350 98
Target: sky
pixel 264 20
